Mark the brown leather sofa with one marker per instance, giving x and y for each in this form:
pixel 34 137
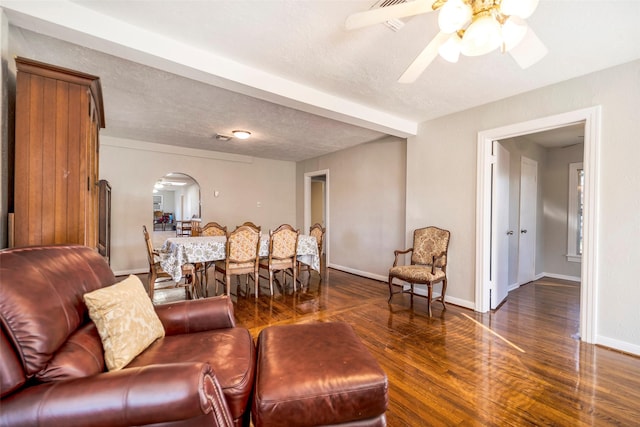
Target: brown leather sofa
pixel 51 364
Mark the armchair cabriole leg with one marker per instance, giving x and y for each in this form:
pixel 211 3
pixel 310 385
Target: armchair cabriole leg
pixel 444 291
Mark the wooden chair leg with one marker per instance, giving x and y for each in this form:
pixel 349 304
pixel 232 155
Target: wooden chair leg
pixel 256 280
pixel 429 295
pixel 444 291
pixel 295 277
pixel 271 281
pixel 152 283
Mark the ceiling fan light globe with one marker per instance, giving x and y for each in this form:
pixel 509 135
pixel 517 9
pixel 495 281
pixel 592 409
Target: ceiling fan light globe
pixel 513 31
pixel 482 36
pixel 450 50
pixel 453 15
pixel 520 8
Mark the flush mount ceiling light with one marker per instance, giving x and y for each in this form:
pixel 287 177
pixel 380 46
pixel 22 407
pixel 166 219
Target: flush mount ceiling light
pixel 470 27
pixel 241 134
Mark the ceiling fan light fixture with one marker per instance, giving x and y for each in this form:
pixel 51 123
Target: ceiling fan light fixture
pixel 520 8
pixel 513 31
pixel 450 50
pixel 241 134
pixel 453 16
pixel 482 36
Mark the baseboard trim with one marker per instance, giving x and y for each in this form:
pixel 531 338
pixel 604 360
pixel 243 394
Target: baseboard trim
pixel 558 276
pixel 359 272
pixel 132 271
pixel 419 289
pixel 615 344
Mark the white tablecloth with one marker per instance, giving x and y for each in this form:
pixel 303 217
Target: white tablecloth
pixel 178 251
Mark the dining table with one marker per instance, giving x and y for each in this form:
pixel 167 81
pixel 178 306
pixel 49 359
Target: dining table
pixel 177 251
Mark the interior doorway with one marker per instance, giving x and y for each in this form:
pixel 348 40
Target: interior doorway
pixel 316 205
pixel 175 197
pixel 485 251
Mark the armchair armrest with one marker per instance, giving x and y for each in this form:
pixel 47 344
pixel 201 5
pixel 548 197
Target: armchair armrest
pixel 433 260
pixel 400 252
pixel 184 317
pixel 134 396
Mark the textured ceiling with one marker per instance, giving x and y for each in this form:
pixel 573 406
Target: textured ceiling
pixel 177 72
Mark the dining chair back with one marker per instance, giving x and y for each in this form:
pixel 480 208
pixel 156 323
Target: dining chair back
pixel 317 231
pixel 250 224
pixel 242 256
pixel 283 248
pixel 156 272
pixel 214 229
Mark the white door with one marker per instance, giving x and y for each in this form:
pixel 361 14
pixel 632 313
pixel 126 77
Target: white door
pixel 527 232
pixel 500 226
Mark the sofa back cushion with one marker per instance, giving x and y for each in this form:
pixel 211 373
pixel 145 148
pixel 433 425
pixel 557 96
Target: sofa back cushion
pixel 41 303
pixel 11 373
pixel 80 356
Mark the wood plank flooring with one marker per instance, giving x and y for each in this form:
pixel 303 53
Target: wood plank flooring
pixel 520 365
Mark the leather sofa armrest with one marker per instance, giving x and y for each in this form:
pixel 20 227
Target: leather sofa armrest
pixel 184 317
pixel 134 396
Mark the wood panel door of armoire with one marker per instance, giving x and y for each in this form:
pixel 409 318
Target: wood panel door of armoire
pixel 59 113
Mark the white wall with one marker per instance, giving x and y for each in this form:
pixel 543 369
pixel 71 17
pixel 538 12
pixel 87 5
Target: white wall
pixel 366 202
pixel 133 167
pixel 441 186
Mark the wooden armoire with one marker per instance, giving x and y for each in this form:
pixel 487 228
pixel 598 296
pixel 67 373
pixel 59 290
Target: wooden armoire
pixel 59 113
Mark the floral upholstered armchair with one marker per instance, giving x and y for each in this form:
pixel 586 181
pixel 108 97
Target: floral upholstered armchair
pixel 428 264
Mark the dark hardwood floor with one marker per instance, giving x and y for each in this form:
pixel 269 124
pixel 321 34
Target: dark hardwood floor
pixel 520 365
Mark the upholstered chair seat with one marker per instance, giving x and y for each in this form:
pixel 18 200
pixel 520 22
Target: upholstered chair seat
pixel 416 273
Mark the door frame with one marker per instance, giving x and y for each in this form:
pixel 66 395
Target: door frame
pixel 307 207
pixel 591 117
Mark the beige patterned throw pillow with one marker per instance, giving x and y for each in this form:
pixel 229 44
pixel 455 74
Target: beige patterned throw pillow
pixel 126 320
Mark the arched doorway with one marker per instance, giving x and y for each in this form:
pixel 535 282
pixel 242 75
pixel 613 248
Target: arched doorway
pixel 176 197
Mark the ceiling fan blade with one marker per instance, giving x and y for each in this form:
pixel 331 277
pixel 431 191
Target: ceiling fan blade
pixel 382 14
pixel 424 59
pixel 529 51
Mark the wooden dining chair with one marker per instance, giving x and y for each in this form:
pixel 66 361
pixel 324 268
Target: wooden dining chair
pixel 428 264
pixel 242 257
pixel 283 249
pixel 213 229
pixel 210 229
pixel 250 224
pixel 317 231
pixel 156 272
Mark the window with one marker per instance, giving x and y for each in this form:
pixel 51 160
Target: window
pixel 575 212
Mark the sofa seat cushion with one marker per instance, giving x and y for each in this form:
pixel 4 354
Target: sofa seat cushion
pixel 230 352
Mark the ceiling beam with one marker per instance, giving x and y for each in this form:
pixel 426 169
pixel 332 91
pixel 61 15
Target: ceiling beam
pixel 79 25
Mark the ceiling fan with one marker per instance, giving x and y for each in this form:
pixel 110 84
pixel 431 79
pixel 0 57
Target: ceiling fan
pixel 470 27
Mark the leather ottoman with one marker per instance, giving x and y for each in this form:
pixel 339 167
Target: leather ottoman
pixel 317 374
